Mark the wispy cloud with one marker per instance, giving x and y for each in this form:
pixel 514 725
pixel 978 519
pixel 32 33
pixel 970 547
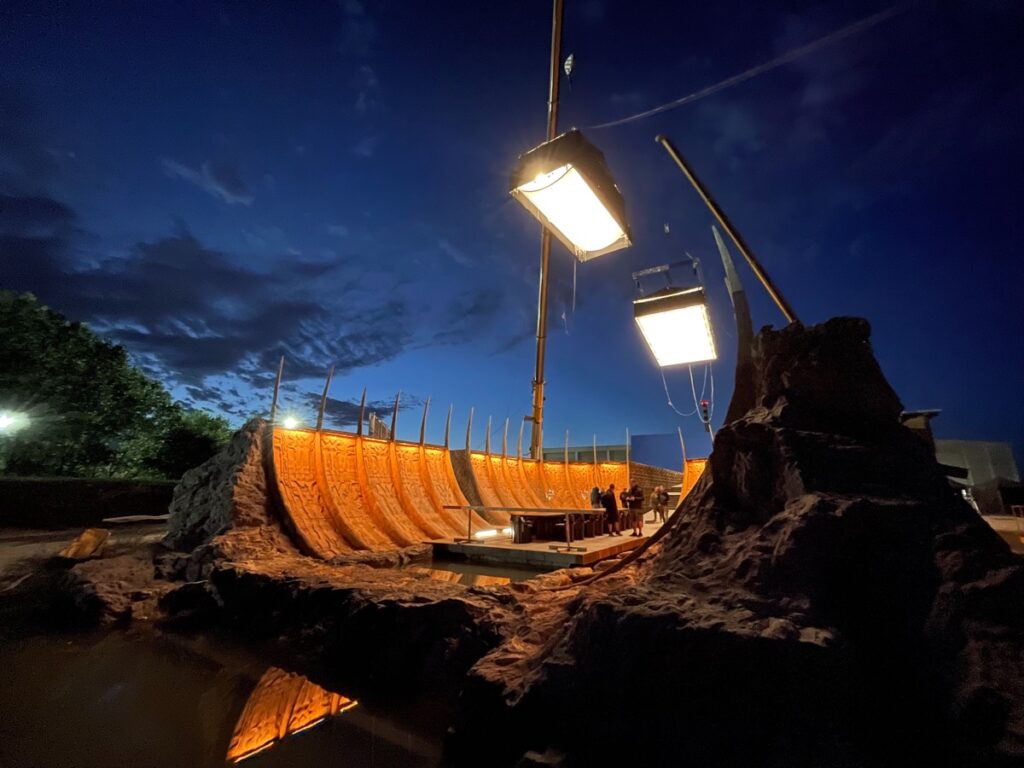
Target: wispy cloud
pixel 457 255
pixel 221 180
pixel 366 147
pixel 358 31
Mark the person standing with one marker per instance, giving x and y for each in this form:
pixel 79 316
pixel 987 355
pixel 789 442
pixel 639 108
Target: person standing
pixel 611 511
pixel 595 497
pixel 635 503
pixel 659 501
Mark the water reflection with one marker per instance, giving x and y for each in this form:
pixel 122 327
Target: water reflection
pixel 282 704
pixel 126 699
pixel 455 577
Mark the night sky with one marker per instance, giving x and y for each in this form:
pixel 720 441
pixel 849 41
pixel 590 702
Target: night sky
pixel 213 184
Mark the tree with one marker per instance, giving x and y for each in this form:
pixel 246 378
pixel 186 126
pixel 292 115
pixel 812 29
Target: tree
pixel 90 413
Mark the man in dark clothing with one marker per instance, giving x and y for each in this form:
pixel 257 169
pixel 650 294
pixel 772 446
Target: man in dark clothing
pixel 635 503
pixel 611 511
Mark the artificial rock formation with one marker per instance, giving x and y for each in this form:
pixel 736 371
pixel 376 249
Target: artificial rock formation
pixel 821 597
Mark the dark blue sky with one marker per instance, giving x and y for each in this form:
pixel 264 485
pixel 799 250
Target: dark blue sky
pixel 214 183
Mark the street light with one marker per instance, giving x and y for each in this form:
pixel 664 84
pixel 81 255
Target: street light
pixel 12 421
pixel 676 326
pixel 565 183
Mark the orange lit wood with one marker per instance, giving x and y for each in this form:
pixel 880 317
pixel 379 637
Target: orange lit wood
pixel 439 478
pixel 581 480
pixel 374 467
pixel 345 497
pixel 694 469
pixel 295 470
pixel 281 704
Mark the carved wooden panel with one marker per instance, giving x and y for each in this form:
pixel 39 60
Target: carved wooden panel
pixel 383 495
pixel 341 474
pixel 299 486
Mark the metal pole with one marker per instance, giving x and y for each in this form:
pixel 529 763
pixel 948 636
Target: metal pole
pixel 628 473
pixel 277 388
pixel 719 214
pixel 537 419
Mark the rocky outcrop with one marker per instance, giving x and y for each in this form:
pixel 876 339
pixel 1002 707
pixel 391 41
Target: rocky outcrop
pixel 822 597
pixel 228 491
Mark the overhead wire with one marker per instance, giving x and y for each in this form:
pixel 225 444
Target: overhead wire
pixel 789 56
pixel 669 397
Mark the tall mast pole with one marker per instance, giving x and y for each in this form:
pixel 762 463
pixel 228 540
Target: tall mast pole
pixel 537 418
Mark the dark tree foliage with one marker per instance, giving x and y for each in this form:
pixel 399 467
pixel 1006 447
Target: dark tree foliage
pixel 88 411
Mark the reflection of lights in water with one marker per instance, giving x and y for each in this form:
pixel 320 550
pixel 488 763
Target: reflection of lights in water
pixel 506 531
pixel 280 705
pixel 487 533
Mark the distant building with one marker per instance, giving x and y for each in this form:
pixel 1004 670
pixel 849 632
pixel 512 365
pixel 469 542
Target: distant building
pixel 659 450
pixel 984 461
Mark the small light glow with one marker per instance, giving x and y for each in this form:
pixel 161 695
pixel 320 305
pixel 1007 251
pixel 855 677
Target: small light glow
pixel 488 533
pixel 290 422
pixel 677 327
pixel 506 531
pixel 564 198
pixel 11 422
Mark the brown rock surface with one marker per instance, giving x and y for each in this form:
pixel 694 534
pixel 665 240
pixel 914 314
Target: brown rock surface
pixel 822 597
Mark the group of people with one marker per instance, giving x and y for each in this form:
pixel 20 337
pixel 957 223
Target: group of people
pixel 632 500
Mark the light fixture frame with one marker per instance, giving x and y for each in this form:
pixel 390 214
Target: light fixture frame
pixel 572 149
pixel 670 299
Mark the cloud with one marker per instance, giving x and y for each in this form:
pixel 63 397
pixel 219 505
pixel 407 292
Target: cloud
pixel 457 254
pixel 358 32
pixel 222 180
pixel 26 164
pixel 32 214
pixel 337 230
pixel 344 413
pixel 366 147
pixel 367 87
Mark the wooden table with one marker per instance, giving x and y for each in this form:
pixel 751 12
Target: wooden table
pixel 528 512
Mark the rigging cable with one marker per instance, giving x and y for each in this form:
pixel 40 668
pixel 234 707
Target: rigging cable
pixel 667 395
pixel 791 55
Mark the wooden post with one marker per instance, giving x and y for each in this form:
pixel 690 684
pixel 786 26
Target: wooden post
pixel 323 400
pixel 487 438
pixel 469 431
pixel 277 389
pixel 362 414
pixel 448 425
pixel 394 414
pixel 423 423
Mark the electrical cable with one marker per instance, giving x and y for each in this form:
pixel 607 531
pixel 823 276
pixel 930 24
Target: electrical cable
pixel 791 55
pixel 669 397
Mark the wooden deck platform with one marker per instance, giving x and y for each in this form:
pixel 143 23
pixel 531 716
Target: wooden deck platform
pixel 538 554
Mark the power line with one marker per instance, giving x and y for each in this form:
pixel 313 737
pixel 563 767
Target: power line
pixel 792 55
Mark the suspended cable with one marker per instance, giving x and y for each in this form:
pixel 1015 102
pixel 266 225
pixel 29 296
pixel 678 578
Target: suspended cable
pixel 791 55
pixel 669 397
